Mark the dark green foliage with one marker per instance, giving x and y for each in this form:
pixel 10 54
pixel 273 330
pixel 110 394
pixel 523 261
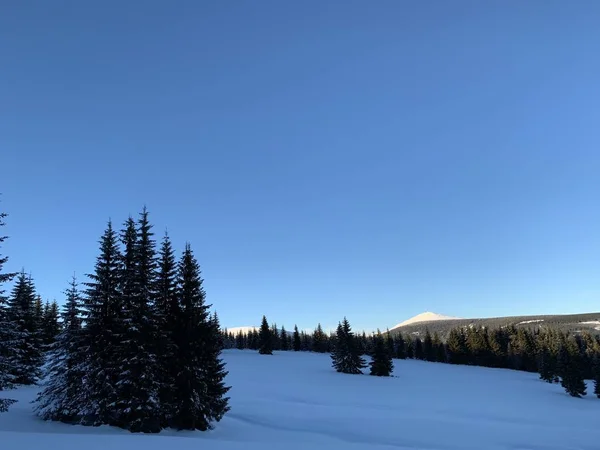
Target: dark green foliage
pixel 168 316
pixel 439 349
pixel 546 365
pixel 596 374
pixel 320 340
pixel 60 396
pixel 410 347
pixel 345 355
pixel 102 333
pixel 428 350
pixel 296 343
pixel 419 353
pixel 28 359
pixel 570 369
pixel 477 346
pixel 137 405
pixel 265 338
pixel 275 337
pixel 50 327
pixel 389 344
pixel 457 347
pixel 285 339
pixel 400 346
pixel 199 395
pixel 381 363
pixel 8 334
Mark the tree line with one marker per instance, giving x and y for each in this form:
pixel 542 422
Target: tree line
pixel 558 356
pixel 137 347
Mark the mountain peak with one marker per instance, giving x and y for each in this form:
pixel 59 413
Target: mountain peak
pixel 426 316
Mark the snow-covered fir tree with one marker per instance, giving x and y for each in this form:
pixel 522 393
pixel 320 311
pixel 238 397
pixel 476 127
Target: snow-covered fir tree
pixel 137 405
pixel 199 386
pixel 102 334
pixel 345 356
pixel 60 398
pixel 9 336
pixel 168 315
pixel 28 359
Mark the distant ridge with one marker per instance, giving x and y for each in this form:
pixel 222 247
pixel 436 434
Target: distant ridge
pixel 425 317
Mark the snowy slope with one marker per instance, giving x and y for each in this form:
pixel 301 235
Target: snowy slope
pixel 296 401
pixel 425 317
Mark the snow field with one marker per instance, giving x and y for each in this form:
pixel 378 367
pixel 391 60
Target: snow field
pixel 296 400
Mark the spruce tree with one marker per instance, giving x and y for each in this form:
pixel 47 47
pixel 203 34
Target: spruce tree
pixel 50 325
pixel 28 360
pixel 546 366
pixel 60 397
pixel 457 347
pixel 381 363
pixel 570 368
pixel 285 339
pixel 319 340
pixel 199 385
pixel 439 348
pixel 265 338
pixel 276 339
pixel 400 346
pixel 345 356
pixel 428 350
pixel 102 334
pixel 419 353
pixel 297 344
pixel 9 336
pixel 138 389
pixel 596 373
pixel 168 315
pixel 389 344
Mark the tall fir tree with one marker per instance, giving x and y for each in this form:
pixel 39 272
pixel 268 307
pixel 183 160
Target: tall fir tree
pixel 296 344
pixel 319 340
pixel 457 347
pixel 400 346
pixel 596 373
pixel 199 386
pixel 570 369
pixel 428 350
pixel 346 357
pixel 546 365
pixel 50 327
pixel 9 337
pixel 137 404
pixel 381 363
pixel 285 339
pixel 168 315
pixel 439 348
pixel 28 360
pixel 275 337
pixel 265 338
pixel 419 353
pixel 60 397
pixel 101 336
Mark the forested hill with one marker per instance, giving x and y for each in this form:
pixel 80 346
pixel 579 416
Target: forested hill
pixel 575 323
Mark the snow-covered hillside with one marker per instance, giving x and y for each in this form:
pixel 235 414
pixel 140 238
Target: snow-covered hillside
pixel 425 317
pixel 296 401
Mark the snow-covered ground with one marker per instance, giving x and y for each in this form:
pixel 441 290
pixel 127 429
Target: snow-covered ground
pixel 296 401
pixel 530 321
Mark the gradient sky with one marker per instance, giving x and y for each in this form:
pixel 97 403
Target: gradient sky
pixel 324 158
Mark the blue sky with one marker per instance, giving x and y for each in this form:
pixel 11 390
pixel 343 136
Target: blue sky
pixel 368 159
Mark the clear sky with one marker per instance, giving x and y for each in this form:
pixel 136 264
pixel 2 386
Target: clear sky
pixel 374 159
